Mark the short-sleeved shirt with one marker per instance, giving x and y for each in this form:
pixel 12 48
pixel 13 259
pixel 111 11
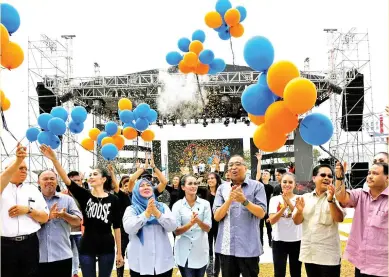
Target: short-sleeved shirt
pixel 320 242
pixel 192 246
pixel 124 202
pixel 100 215
pixel 54 236
pixel 24 195
pixel 238 233
pixel 284 229
pixel 367 245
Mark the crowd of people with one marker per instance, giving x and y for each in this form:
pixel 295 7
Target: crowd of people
pixel 216 229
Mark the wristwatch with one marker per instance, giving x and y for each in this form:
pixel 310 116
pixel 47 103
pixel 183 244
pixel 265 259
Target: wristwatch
pixel 245 203
pixel 332 201
pixel 29 210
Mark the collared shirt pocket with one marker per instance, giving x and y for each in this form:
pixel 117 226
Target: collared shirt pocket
pixel 325 217
pixel 379 225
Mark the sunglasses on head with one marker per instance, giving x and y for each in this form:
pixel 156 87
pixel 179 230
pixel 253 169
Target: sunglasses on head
pixel 323 175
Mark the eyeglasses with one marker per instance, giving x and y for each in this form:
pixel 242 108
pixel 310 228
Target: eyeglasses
pixel 236 164
pixel 323 175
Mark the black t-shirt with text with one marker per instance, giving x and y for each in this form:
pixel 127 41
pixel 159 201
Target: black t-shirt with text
pixel 100 215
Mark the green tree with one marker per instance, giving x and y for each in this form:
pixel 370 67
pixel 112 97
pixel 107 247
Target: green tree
pixel 316 154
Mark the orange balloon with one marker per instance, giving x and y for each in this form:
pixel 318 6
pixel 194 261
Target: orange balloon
pixel 202 69
pixel 184 68
pixel 88 144
pixel 213 20
pixel 232 17
pixel 268 141
pixel 2 96
pixel 130 133
pixel 119 141
pixel 93 133
pixel 191 59
pixel 237 31
pixel 279 75
pixel 257 119
pixel 148 135
pixel 5 104
pixel 196 47
pixel 4 36
pixel 12 55
pixel 300 95
pixel 125 104
pixel 107 140
pixel 280 119
pixel 119 132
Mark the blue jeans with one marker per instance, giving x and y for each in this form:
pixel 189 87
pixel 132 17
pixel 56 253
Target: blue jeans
pixel 75 242
pixel 192 272
pixel 88 265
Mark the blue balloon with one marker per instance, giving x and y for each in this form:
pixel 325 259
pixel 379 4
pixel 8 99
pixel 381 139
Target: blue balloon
pixel 223 27
pixel 45 137
pixel 32 134
pixel 75 127
pixel 316 129
pixel 43 120
pixel 135 112
pixel 222 6
pixel 142 110
pixel 212 71
pixel 141 124
pixel 111 128
pixel 243 12
pixel 101 136
pixel 57 126
pixel 256 99
pixel 206 56
pixel 183 44
pixel 55 142
pixel 109 151
pixel 59 112
pixel 224 35
pixel 218 65
pixel 259 53
pixel 152 116
pixel 173 58
pixel 79 114
pixel 9 17
pixel 198 35
pixel 126 116
pixel 129 124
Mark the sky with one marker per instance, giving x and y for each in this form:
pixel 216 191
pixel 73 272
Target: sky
pixel 126 36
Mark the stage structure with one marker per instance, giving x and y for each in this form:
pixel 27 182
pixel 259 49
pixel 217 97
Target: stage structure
pixel 352 110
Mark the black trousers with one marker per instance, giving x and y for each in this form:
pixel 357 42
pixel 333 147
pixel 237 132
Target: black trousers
pixel 281 251
pixel 263 222
pixel 61 268
pixel 165 274
pixel 359 274
pixel 125 241
pixel 316 270
pixel 20 258
pixel 234 266
pixel 214 265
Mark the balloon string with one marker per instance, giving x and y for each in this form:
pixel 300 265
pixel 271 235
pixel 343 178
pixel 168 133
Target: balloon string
pixel 199 87
pixel 2 142
pixel 5 126
pixel 232 51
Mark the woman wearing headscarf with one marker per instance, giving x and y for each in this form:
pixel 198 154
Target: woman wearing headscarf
pixel 148 222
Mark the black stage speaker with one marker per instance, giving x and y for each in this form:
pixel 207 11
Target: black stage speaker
pixel 156 144
pixel 358 174
pixel 46 99
pixel 353 102
pixel 303 158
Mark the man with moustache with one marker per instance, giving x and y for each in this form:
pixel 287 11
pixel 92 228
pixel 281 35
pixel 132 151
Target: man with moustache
pixel 23 210
pixel 238 206
pixel 54 237
pixel 381 157
pixel 369 230
pixel 319 213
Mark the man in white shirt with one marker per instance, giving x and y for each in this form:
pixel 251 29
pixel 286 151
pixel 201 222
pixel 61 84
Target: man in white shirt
pixel 23 210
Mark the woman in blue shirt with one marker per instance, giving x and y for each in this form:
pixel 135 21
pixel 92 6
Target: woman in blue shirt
pixel 147 222
pixel 194 221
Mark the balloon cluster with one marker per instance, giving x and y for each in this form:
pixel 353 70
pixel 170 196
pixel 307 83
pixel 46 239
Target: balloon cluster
pixel 280 81
pixel 196 59
pixel 53 124
pixel 112 139
pixel 5 103
pixel 226 21
pixel 12 55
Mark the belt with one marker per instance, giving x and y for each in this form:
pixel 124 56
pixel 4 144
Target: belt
pixel 18 238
